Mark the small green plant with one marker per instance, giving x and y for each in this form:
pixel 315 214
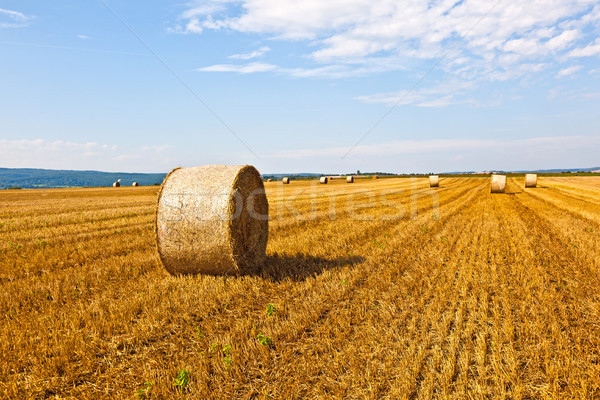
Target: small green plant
pixel 146 391
pixel 226 351
pixel 343 281
pixel 182 380
pixel 425 228
pixel 271 309
pixel 264 340
pixel 435 217
pixel 199 333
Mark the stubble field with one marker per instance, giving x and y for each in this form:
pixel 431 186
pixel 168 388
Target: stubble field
pixel 381 289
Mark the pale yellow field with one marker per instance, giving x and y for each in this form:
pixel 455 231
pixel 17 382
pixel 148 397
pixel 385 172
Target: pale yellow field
pixel 382 289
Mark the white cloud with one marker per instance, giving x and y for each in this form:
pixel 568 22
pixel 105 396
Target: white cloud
pixel 13 19
pixel 592 49
pixel 242 69
pixel 443 95
pixel 61 154
pixel 444 146
pixel 248 56
pixel 358 37
pixel 568 71
pixel 83 37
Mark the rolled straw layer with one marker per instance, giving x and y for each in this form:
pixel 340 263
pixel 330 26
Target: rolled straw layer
pixel 434 181
pixel 498 183
pixel 212 219
pixel 530 180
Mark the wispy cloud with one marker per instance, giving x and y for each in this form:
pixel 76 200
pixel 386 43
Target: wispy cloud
pixel 13 19
pixel 242 69
pixel 443 95
pixel 41 153
pixel 444 146
pixel 83 37
pixel 248 56
pixel 568 71
pixel 362 37
pixel 592 49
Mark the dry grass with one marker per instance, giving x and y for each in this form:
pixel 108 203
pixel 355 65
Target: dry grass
pixel 491 297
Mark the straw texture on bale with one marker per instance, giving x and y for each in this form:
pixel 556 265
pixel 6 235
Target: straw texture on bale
pixel 498 183
pixel 324 180
pixel 530 180
pixel 135 184
pixel 116 184
pixel 350 179
pixel 212 219
pixel 286 180
pixel 434 181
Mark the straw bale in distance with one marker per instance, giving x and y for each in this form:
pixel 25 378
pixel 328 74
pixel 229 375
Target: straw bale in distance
pixel 350 179
pixel 116 184
pixel 135 184
pixel 375 177
pixel 324 180
pixel 212 219
pixel 530 180
pixel 269 180
pixel 498 183
pixel 434 181
pixel 286 180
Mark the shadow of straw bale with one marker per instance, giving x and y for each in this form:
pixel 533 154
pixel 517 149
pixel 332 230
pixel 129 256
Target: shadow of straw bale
pixel 299 267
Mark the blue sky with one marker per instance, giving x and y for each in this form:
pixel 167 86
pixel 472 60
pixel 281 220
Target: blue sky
pixel 300 86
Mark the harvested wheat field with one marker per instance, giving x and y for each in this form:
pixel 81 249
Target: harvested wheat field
pixel 384 289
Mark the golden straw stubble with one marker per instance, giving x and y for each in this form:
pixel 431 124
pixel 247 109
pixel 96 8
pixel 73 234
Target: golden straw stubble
pixel 212 219
pixel 498 183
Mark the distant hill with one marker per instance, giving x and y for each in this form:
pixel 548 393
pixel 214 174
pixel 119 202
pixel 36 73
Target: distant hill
pixel 29 178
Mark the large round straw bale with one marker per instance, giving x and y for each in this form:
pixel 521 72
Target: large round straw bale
pixel 375 177
pixel 286 180
pixel 135 184
pixel 349 179
pixel 498 183
pixel 269 180
pixel 324 180
pixel 212 219
pixel 434 181
pixel 530 180
pixel 116 184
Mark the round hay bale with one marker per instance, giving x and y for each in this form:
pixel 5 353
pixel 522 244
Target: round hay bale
pixel 324 180
pixel 498 183
pixel 375 177
pixel 434 181
pixel 116 184
pixel 212 219
pixel 286 181
pixel 530 180
pixel 349 179
pixel 135 184
pixel 269 180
